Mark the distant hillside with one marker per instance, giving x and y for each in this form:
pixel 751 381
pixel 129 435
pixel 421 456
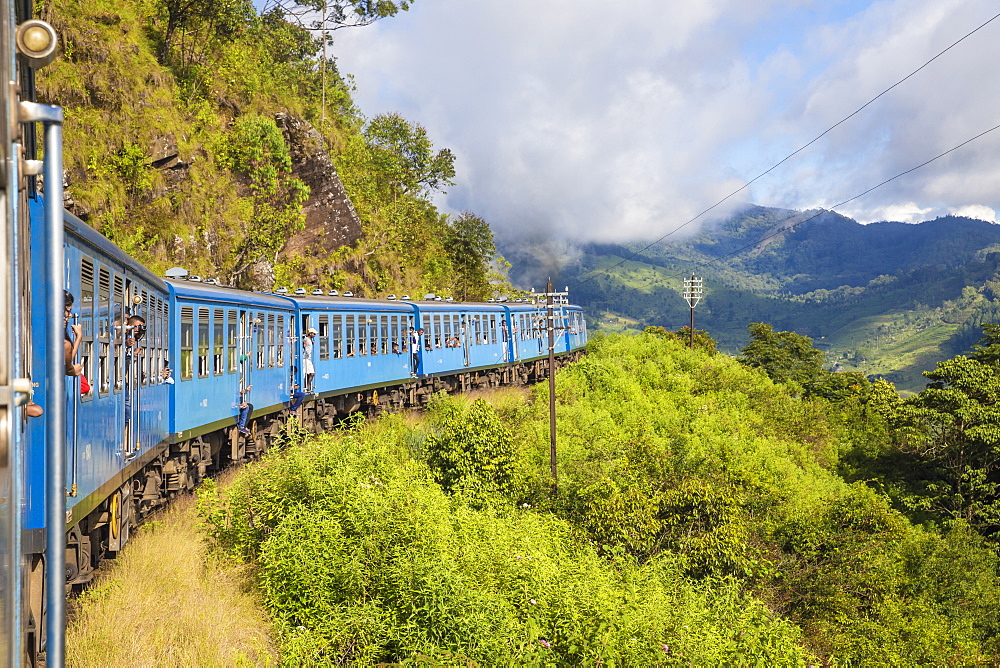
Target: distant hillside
pixel 887 298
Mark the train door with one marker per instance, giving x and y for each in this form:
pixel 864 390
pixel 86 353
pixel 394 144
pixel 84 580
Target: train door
pixel 245 349
pixel 467 334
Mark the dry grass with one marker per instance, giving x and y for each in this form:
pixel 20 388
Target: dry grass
pixel 166 602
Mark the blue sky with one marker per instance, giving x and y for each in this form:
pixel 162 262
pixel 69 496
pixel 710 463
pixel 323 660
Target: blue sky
pixel 597 121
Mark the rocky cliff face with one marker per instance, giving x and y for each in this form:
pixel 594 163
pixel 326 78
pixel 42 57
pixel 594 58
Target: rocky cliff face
pixel 331 221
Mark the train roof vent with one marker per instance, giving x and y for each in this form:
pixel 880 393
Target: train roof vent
pixel 405 297
pixel 439 298
pixel 391 297
pixel 176 272
pixel 211 281
pixel 333 293
pixel 196 279
pixel 491 301
pixel 300 291
pixel 449 299
pixel 281 291
pixel 317 291
pixel 429 297
pixel 348 294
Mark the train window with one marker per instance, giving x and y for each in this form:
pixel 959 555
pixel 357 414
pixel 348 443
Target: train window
pixel 385 335
pixel 446 333
pixel 338 333
pixel 350 334
pixel 493 329
pixel 203 328
pixel 117 331
pixel 218 329
pixel 397 343
pixel 363 334
pixel 259 326
pixel 187 343
pixel 373 334
pixel 280 333
pixel 87 320
pixel 231 342
pixel 437 330
pixel 271 354
pixel 324 337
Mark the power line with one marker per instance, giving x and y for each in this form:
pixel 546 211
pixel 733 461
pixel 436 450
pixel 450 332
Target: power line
pixel 802 148
pixel 829 210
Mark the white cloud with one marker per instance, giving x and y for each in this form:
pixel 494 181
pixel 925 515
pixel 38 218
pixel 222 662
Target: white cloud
pixel 977 211
pixel 613 122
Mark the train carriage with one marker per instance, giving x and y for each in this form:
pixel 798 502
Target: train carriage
pixel 360 344
pixel 224 341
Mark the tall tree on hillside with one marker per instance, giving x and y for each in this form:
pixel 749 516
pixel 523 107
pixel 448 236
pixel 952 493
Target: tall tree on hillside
pixel 784 356
pixel 953 427
pixel 469 243
pixel 404 156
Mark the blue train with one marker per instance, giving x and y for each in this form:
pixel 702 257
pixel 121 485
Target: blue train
pixel 166 366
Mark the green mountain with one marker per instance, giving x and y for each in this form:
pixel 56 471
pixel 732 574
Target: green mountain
pixel 888 299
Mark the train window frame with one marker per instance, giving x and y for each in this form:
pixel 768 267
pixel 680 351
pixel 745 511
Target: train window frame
pixel 337 328
pixel 187 342
pixel 218 341
pixel 437 330
pixel 281 334
pixel 272 355
pixel 363 335
pixel 373 334
pixel 324 336
pixel 384 334
pixel 86 310
pixel 202 345
pixel 232 334
pixel 261 338
pixel 350 331
pixel 118 331
pixel 396 339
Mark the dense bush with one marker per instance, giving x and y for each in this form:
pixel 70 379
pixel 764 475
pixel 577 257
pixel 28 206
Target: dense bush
pixel 699 519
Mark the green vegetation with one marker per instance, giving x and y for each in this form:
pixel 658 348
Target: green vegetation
pixel 172 151
pixel 701 518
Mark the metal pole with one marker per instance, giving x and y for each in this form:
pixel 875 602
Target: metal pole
pixel 55 410
pixel 552 387
pixel 691 343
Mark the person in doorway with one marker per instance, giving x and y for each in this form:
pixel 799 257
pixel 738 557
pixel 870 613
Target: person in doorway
pixel 414 352
pixel 246 410
pixel 71 344
pixel 297 397
pixel 135 329
pixel 308 370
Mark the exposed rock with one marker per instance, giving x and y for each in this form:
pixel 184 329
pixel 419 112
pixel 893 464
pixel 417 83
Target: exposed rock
pixel 331 221
pixel 163 153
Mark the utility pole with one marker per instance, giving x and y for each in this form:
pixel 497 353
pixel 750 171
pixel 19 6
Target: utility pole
pixel 551 327
pixel 692 293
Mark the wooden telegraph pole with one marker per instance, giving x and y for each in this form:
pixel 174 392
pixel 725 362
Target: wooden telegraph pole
pixel 692 293
pixel 550 325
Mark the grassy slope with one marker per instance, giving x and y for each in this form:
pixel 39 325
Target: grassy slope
pixel 165 602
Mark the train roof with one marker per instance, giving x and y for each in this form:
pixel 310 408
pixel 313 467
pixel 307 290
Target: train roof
pixel 223 293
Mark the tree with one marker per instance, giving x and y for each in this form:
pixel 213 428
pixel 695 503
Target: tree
pixel 403 155
pixel 256 152
pixel 328 15
pixel 953 427
pixel 470 246
pixel 783 356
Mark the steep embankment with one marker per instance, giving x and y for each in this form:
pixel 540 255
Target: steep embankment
pixel 208 136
